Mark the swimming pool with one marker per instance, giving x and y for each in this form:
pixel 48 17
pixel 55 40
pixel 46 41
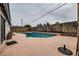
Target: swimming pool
pixel 39 35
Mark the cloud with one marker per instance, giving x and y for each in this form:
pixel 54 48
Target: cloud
pixel 28 11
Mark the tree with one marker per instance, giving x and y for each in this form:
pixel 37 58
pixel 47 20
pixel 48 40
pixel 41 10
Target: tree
pixel 48 24
pixel 27 26
pixel 39 25
pixel 57 23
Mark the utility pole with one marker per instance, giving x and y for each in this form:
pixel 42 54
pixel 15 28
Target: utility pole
pixel 21 22
pixel 77 50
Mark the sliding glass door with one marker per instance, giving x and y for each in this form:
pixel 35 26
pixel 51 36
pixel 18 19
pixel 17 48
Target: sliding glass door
pixel 2 29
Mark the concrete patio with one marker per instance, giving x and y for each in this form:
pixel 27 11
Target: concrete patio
pixel 39 47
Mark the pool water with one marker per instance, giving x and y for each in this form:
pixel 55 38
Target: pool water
pixel 39 35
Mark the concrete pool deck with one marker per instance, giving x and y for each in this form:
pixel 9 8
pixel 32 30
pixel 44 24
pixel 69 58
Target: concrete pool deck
pixel 39 47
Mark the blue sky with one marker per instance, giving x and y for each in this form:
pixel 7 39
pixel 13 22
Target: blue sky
pixel 31 11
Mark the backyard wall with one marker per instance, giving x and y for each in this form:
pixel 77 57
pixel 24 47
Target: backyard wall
pixel 68 27
pixel 19 29
pixel 65 27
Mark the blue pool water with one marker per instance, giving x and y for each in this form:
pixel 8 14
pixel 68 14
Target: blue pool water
pixel 39 35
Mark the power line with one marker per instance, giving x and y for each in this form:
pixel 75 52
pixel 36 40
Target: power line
pixel 49 12
pixel 49 9
pixel 41 11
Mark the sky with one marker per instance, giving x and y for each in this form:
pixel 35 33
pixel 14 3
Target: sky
pixel 28 12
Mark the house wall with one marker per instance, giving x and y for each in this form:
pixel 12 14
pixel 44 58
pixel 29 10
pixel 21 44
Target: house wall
pixel 6 18
pixel 7 28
